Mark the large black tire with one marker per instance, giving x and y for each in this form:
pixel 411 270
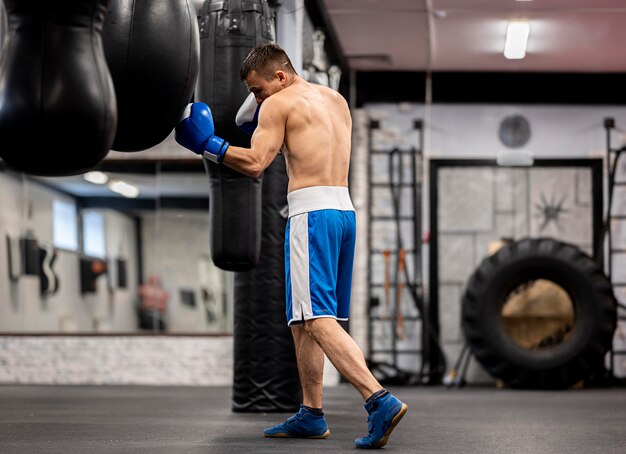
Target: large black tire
pixel 595 314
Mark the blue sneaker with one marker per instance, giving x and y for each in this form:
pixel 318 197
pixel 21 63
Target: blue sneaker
pixel 303 424
pixel 384 414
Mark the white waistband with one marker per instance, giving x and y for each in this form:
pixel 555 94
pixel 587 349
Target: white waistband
pixel 319 198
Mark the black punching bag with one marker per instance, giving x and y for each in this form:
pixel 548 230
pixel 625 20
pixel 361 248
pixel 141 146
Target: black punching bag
pixel 57 101
pixel 266 373
pixel 152 50
pixel 229 30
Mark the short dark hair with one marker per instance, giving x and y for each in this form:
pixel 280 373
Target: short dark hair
pixel 266 59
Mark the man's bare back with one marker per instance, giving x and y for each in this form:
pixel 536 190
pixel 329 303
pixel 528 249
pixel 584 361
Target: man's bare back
pixel 311 124
pixel 317 135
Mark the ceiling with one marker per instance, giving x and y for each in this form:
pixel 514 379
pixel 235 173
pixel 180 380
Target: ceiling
pixel 586 36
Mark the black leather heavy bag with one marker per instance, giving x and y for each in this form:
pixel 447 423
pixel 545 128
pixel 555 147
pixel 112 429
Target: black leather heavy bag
pixel 58 111
pixel 152 49
pixel 265 369
pixel 234 218
pixel 229 30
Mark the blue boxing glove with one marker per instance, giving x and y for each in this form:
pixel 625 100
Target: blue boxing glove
pixel 196 132
pixel 248 115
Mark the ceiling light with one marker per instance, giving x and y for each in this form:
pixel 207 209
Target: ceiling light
pixel 516 39
pixel 126 189
pixel 96 177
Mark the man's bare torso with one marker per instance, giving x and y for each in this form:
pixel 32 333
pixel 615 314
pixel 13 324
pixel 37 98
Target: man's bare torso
pixel 317 135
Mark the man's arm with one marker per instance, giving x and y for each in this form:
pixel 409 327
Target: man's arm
pixel 266 141
pixel 196 132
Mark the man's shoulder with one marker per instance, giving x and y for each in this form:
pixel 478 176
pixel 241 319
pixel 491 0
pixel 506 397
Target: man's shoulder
pixel 332 95
pixel 274 103
pixel 282 102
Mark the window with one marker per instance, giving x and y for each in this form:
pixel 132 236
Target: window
pixel 64 230
pixel 93 234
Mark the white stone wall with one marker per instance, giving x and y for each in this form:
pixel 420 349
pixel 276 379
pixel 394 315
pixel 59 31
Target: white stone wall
pixel 122 360
pixel 359 195
pixel 113 360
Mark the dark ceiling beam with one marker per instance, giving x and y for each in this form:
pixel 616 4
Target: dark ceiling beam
pixel 132 205
pixel 151 166
pixel 492 88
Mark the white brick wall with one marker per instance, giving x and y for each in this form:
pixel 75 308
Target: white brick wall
pixel 116 360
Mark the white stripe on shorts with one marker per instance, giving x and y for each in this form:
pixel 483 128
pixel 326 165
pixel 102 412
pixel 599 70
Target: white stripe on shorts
pixel 299 267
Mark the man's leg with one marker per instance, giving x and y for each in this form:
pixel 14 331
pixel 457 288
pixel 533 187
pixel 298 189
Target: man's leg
pixel 310 357
pixel 309 422
pixel 385 411
pixel 344 353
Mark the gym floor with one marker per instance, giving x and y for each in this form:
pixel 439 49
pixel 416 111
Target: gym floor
pixel 109 419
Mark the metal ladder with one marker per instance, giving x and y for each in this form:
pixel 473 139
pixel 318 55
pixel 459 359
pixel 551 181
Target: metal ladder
pixel 391 372
pixel 612 160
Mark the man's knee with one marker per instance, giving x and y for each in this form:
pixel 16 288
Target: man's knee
pixel 315 327
pixel 311 328
pixel 308 327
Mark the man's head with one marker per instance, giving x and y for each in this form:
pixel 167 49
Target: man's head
pixel 266 70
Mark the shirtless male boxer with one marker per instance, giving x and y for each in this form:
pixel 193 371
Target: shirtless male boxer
pixel 314 124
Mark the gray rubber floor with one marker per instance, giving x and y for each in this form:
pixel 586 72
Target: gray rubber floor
pixel 79 419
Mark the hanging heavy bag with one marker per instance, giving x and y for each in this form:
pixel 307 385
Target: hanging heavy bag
pixel 152 49
pixel 58 111
pixel 265 374
pixel 229 30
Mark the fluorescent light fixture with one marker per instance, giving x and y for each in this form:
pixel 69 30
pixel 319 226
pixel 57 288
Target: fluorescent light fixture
pixel 96 177
pixel 516 39
pixel 126 189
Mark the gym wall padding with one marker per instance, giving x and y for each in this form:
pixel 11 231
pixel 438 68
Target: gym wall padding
pixel 266 373
pixel 561 364
pixel 152 50
pixel 58 113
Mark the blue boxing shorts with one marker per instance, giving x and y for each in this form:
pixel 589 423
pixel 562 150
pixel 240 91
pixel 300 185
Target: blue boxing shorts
pixel 319 253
